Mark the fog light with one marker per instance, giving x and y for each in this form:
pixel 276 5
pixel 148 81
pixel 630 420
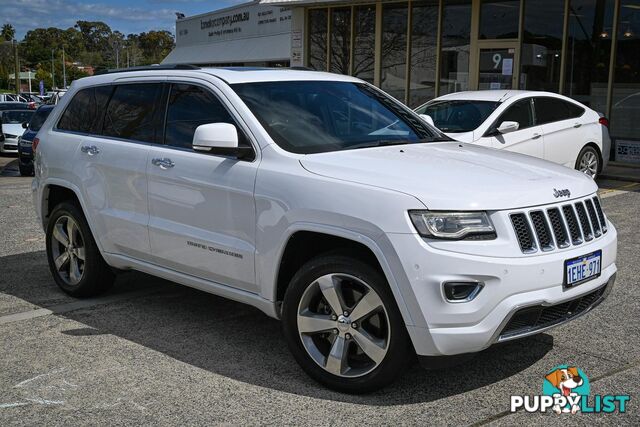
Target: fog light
pixel 462 291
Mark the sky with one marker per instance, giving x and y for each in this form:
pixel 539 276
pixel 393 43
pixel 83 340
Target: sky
pixel 126 16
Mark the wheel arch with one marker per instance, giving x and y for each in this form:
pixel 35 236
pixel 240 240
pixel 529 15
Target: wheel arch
pixel 318 239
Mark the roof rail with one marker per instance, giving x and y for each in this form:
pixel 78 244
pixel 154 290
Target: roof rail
pixel 150 67
pixel 300 68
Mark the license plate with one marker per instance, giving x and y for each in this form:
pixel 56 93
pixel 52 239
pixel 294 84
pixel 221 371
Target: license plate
pixel 582 269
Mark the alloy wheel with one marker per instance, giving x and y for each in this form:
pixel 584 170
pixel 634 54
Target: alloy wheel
pixel 343 325
pixel 68 250
pixel 589 164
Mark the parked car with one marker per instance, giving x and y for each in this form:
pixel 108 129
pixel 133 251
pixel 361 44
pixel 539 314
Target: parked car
pixel 25 153
pixel 13 105
pixel 12 129
pixel 322 201
pixel 55 96
pixel 540 124
pixel 12 97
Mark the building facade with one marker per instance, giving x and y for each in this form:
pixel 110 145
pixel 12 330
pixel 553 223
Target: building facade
pixel 417 50
pixel 248 34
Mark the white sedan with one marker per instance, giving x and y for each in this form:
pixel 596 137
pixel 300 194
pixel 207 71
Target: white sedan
pixel 540 124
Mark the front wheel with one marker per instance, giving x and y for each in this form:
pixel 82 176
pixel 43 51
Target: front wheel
pixel 589 162
pixel 343 326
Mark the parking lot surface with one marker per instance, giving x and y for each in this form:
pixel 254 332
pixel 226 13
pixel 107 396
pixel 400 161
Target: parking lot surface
pixel 150 351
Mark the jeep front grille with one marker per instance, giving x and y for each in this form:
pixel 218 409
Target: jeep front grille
pixel 559 226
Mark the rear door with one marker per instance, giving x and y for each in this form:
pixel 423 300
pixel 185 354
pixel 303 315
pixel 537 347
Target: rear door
pixel 562 124
pixel 111 161
pixel 527 139
pixel 202 211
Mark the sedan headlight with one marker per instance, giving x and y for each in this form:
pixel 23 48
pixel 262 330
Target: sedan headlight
pixel 452 225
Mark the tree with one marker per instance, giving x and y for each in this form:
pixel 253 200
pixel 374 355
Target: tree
pixel 95 35
pixel 155 45
pixel 8 32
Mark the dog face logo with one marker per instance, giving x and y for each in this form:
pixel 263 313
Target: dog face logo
pixel 569 382
pixel 565 380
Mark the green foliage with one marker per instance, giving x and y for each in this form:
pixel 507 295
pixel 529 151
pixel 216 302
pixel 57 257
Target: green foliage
pixel 91 43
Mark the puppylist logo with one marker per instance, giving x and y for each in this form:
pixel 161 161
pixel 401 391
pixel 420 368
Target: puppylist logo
pixel 566 390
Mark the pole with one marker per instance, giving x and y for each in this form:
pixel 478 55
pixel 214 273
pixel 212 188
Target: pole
pixel 29 74
pixel 53 72
pixel 64 71
pixel 127 58
pixel 17 66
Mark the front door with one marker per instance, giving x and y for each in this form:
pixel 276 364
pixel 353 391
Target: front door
pixel 202 214
pixel 497 65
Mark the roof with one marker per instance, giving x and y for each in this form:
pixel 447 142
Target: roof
pixel 230 75
pixel 495 95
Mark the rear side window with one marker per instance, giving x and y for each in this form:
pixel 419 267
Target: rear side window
pixel 518 112
pixel 189 107
pixel 84 112
pixel 38 119
pixel 550 110
pixel 130 114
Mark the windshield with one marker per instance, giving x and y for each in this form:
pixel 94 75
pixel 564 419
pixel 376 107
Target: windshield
pixel 458 115
pixel 318 116
pixel 16 117
pixel 38 119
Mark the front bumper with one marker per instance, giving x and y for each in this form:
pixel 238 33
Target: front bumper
pixel 9 146
pixel 440 327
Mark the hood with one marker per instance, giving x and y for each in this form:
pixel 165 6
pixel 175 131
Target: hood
pixel 12 129
pixel 454 176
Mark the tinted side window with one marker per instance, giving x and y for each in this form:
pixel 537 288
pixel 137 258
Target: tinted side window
pixel 130 114
pixel 84 112
pixel 519 112
pixel 550 110
pixel 189 107
pixel 38 119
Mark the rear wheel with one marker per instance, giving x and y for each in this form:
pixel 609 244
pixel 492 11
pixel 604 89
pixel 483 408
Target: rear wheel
pixel 589 161
pixel 74 259
pixel 343 326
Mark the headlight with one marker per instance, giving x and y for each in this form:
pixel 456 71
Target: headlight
pixel 452 225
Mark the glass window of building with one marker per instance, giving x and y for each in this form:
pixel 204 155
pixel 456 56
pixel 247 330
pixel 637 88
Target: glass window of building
pixel 454 57
pixel 542 45
pixel 499 19
pixel 393 55
pixel 340 40
pixel 625 108
pixel 424 30
pixel 364 31
pixel 317 39
pixel 588 51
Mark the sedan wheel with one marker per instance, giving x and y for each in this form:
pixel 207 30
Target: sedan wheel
pixel 589 162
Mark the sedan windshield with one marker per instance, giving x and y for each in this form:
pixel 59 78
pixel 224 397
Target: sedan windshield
pixel 458 116
pixel 318 116
pixel 16 117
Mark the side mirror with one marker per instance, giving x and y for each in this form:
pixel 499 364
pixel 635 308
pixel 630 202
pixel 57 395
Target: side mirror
pixel 220 138
pixel 25 125
pixel 427 118
pixel 215 135
pixel 507 127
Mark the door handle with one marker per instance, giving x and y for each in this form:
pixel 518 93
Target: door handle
pixel 91 150
pixel 163 163
pixel 577 125
pixel 536 136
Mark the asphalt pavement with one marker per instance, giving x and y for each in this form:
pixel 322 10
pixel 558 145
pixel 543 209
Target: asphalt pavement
pixel 153 352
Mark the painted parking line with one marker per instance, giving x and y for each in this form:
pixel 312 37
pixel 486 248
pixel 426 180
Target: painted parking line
pixel 77 305
pixel 623 189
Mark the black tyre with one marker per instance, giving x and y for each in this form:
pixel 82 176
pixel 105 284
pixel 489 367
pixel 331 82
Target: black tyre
pixel 343 326
pixel 25 170
pixel 588 161
pixel 74 259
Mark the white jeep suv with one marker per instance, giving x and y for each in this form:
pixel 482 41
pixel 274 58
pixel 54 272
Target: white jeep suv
pixel 323 202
